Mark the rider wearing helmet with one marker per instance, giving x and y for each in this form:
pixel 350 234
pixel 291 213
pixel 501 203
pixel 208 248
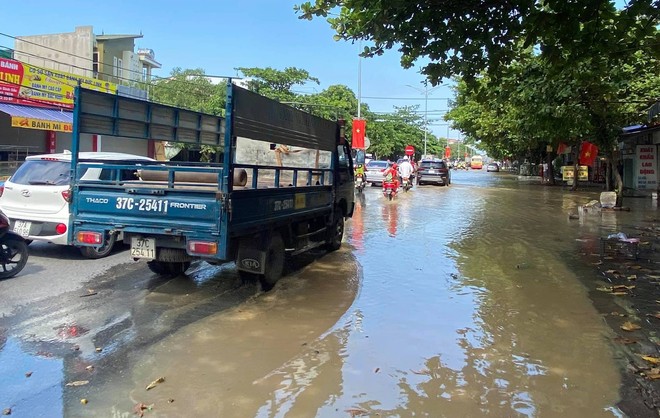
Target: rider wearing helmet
pixel 392 176
pixel 405 170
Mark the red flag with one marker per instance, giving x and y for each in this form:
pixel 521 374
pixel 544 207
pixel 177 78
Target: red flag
pixel 588 153
pixel 447 152
pixel 359 128
pixel 561 148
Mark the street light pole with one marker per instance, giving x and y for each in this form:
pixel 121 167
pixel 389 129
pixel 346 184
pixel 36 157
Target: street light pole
pixel 425 92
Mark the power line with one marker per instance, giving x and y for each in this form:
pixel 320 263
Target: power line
pixel 405 98
pixel 169 79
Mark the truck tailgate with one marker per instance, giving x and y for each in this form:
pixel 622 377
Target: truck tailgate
pixel 170 212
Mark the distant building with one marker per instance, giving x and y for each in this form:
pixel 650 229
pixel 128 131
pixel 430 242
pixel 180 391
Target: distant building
pixel 106 57
pixel 36 107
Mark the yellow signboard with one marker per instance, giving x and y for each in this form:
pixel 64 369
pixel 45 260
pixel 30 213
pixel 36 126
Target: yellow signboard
pixel 26 84
pixel 567 173
pixel 44 125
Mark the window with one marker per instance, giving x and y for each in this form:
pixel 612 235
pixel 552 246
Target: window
pixel 343 157
pixel 120 68
pixel 115 61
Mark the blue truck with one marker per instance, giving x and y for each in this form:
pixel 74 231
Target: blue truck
pixel 282 184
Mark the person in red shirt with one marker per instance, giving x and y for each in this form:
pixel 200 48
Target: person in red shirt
pixel 392 176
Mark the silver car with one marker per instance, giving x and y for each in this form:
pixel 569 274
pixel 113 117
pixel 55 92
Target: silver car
pixel 374 172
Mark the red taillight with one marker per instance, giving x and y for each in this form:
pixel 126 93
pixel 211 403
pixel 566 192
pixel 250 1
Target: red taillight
pixel 202 247
pixel 382 170
pixel 4 221
pixel 2 189
pixel 87 237
pixel 60 228
pixel 66 195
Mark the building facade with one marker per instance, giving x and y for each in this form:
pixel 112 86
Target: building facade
pixel 37 81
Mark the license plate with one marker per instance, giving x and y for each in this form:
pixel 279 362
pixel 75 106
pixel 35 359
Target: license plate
pixel 22 228
pixel 431 171
pixel 143 247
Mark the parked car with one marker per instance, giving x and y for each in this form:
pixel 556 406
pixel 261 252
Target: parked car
pixel 493 167
pixel 433 171
pixel 36 198
pixel 374 172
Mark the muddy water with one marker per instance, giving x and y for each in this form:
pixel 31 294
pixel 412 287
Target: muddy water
pixel 458 301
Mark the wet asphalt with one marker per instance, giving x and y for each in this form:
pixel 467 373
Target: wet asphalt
pixel 453 301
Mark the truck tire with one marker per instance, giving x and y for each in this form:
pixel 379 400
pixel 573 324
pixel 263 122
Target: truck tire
pixel 168 268
pixel 99 252
pixel 335 231
pixel 274 262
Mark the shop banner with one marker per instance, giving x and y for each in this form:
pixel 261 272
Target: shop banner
pixel 26 84
pixel 646 170
pixel 567 172
pixel 40 124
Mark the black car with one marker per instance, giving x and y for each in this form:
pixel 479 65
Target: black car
pixel 433 171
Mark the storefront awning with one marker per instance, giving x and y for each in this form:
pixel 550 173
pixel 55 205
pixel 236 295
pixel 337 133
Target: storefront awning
pixel 33 117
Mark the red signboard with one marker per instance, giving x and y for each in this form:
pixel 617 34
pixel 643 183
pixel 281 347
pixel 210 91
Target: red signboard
pixel 447 152
pixel 410 150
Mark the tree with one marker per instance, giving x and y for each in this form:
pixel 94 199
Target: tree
pixel 467 38
pixel 277 84
pixel 190 89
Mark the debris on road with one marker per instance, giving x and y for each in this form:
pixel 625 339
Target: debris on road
pixel 155 383
pixel 78 383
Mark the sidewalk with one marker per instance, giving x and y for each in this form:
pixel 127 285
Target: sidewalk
pixel 627 293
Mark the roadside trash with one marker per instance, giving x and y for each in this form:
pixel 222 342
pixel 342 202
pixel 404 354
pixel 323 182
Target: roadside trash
pixel 84 401
pixel 629 326
pixel 608 199
pixel 619 245
pixel 6 411
pixel 155 383
pixel 28 374
pixel 139 409
pixel 78 383
pixel 592 207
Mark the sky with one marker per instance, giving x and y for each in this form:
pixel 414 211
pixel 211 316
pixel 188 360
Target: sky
pixel 219 36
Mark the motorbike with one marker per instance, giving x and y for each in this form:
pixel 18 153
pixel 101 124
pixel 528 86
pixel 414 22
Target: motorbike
pixel 359 183
pixel 13 250
pixel 389 189
pixel 406 183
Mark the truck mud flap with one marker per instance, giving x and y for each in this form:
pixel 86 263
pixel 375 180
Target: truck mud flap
pixel 251 255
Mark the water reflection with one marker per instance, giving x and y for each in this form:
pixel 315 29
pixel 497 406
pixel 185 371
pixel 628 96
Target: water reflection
pixel 390 214
pixel 30 382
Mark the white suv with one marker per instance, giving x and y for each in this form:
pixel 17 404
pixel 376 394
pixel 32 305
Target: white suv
pixel 36 198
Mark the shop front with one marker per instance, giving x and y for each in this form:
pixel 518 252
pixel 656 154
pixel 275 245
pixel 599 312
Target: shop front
pixel 639 158
pixel 36 114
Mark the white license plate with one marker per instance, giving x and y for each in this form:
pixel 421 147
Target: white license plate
pixel 22 228
pixel 143 247
pixel 431 171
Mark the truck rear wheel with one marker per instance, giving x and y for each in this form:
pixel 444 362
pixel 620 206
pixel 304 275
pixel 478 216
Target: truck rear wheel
pixel 274 262
pixel 172 268
pixel 335 231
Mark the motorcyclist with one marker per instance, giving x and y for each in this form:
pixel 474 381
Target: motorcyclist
pixel 392 176
pixel 406 170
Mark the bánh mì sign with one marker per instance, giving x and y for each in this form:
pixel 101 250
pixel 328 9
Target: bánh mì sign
pixel 40 124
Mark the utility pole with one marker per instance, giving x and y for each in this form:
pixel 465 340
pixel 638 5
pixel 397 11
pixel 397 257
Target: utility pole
pixel 425 92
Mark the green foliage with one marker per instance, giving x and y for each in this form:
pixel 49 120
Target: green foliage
pixel 277 84
pixel 470 37
pixel 190 89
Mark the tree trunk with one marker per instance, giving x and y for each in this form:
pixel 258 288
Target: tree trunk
pixel 618 181
pixel 550 175
pixel 576 166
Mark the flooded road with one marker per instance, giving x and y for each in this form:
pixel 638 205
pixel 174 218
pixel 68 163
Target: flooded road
pixel 458 301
